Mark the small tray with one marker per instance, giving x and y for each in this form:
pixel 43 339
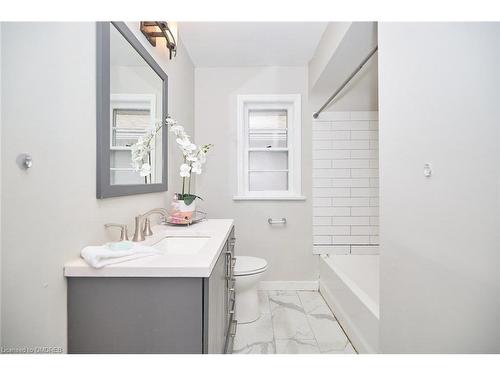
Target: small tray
pixel 196 218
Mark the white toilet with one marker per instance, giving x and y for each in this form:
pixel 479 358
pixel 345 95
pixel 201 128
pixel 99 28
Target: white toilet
pixel 247 272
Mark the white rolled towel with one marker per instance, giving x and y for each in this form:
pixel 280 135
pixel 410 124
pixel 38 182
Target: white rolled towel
pixel 111 253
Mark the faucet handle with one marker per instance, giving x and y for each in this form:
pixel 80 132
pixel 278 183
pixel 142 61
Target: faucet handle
pixel 123 227
pixel 147 228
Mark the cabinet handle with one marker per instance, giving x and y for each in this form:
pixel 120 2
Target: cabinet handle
pixel 234 327
pixel 228 264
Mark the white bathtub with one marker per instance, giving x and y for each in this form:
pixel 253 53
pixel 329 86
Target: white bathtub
pixel 350 285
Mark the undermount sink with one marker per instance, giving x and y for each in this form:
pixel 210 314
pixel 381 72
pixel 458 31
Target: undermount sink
pixel 181 245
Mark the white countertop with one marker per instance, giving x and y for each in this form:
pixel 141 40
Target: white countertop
pixel 165 265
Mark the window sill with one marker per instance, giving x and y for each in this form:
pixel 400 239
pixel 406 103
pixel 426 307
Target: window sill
pixel 250 198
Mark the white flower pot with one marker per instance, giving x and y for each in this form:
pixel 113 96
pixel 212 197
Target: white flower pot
pixel 182 211
pixel 183 207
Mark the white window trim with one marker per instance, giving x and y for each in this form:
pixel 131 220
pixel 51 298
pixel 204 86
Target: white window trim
pixel 133 101
pixel 292 101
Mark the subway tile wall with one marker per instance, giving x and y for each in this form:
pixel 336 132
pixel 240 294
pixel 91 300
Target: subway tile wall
pixel 345 183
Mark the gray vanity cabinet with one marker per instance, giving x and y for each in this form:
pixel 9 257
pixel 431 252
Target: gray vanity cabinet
pixel 220 324
pixel 215 314
pixel 154 314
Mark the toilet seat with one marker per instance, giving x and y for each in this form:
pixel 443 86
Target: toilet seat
pixel 246 266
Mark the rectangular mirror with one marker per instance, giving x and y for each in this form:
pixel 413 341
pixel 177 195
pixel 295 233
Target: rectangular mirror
pixel 131 103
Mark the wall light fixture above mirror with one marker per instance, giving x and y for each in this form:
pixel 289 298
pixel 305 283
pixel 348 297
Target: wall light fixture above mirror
pixel 160 29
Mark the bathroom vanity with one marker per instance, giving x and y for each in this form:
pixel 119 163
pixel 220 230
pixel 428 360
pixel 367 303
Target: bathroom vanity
pixel 181 301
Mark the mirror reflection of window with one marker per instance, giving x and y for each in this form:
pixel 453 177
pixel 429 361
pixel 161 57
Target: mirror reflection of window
pixel 128 125
pixel 136 102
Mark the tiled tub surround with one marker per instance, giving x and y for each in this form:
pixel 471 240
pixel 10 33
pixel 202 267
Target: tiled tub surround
pixel 292 322
pixel 345 183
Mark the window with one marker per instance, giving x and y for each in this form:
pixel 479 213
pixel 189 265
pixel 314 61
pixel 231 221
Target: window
pixel 269 141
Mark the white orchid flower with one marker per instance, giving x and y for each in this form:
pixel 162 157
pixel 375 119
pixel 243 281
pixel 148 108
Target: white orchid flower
pixel 191 157
pixel 185 170
pixel 202 157
pixel 189 150
pixel 178 130
pixel 196 167
pixel 170 121
pixel 145 170
pixel 136 156
pixel 183 142
pixel 186 146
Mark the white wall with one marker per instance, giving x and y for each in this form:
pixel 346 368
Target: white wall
pixel 439 103
pixel 287 250
pixel 50 211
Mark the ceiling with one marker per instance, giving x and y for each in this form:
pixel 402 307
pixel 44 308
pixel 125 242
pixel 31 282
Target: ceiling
pixel 214 44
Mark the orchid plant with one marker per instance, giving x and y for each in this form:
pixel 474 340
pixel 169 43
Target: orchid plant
pixel 194 156
pixel 141 152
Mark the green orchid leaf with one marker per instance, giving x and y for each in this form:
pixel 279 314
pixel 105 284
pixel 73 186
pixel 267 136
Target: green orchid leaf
pixel 188 198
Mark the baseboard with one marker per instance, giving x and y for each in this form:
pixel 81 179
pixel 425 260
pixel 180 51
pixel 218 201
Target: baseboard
pixel 289 285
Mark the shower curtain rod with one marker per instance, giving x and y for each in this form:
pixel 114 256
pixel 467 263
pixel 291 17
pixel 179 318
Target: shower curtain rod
pixel 344 84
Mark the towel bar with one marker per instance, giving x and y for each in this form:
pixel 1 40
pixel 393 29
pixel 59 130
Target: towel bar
pixel 280 221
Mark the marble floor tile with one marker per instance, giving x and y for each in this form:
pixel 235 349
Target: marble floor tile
pixel 289 318
pixel 313 302
pixel 293 346
pixel 256 337
pixel 349 349
pixel 292 322
pixel 274 293
pixel 265 347
pixel 327 331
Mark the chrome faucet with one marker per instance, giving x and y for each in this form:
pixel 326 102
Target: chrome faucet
pixel 142 229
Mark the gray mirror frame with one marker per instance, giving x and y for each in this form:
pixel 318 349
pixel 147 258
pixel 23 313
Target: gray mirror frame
pixel 104 187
